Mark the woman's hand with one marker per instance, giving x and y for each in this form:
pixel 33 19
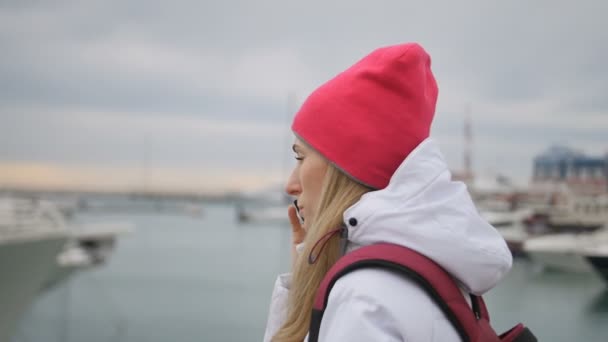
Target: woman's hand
pixel 297 233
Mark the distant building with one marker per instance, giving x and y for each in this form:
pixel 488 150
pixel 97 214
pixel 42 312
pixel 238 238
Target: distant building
pixel 564 166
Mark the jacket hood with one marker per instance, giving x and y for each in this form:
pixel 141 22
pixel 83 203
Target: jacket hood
pixel 423 209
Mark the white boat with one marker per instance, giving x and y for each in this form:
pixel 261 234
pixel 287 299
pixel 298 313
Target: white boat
pixel 38 250
pixel 264 206
pixel 263 214
pixel 564 251
pixel 32 234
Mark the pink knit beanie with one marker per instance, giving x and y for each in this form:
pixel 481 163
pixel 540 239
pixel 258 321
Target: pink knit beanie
pixel 367 119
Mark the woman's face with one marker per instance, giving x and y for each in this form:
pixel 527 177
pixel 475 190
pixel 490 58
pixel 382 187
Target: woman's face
pixel 306 179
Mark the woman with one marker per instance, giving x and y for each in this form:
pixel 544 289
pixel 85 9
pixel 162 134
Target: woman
pixel 365 163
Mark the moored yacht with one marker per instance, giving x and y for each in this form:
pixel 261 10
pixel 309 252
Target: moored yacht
pixel 565 251
pixel 39 250
pixel 32 234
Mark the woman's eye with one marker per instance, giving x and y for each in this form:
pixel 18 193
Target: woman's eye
pixel 299 158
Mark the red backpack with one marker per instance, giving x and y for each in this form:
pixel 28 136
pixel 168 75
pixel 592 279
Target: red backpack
pixel 471 322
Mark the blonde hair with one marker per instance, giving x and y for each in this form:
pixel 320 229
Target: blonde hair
pixel 339 192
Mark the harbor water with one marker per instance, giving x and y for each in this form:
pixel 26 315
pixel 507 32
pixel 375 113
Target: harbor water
pixel 207 278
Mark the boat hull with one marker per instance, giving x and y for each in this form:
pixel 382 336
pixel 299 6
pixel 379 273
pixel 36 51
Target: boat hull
pixel 561 261
pixel 25 267
pixel 600 264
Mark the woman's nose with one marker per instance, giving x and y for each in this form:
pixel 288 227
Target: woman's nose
pixel 293 187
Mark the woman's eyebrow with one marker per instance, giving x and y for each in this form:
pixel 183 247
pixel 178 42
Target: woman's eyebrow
pixel 295 148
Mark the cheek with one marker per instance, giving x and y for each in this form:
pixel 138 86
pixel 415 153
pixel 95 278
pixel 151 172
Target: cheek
pixel 314 182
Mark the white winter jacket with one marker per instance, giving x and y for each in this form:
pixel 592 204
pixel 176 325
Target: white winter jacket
pixel 423 209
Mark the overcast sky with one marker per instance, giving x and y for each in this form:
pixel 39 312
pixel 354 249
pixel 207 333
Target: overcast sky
pixel 196 93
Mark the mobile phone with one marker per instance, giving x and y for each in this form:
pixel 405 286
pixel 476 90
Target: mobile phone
pixel 300 218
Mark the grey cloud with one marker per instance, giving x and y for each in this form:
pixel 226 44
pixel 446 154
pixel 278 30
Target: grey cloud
pixel 508 51
pixel 234 60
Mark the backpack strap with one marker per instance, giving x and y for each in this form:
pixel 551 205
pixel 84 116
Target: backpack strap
pixel 435 281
